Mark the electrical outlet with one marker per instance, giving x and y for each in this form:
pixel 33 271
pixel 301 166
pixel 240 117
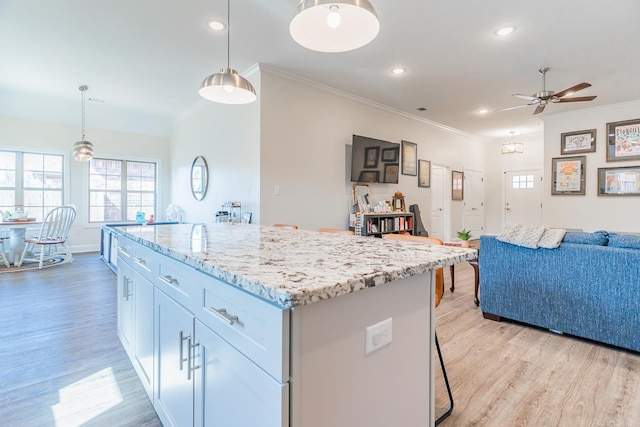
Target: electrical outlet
pixel 276 190
pixel 378 335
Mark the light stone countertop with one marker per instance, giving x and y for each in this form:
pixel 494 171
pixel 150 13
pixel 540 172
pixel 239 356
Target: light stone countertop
pixel 293 267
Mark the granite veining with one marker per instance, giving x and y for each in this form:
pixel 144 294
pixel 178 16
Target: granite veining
pixel 293 267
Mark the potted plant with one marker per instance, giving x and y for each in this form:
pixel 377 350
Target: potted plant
pixel 464 235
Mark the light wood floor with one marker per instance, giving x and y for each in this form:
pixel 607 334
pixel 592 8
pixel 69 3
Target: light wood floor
pixel 507 374
pixel 61 363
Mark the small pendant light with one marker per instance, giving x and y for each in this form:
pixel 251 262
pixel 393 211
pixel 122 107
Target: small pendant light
pixel 334 25
pixel 227 86
pixel 83 150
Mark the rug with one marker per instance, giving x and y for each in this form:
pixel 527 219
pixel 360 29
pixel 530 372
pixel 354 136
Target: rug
pixel 34 265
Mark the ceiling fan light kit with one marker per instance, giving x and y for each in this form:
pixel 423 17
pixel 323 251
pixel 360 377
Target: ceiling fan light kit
pixel 227 86
pixel 334 26
pixel 544 97
pixel 83 150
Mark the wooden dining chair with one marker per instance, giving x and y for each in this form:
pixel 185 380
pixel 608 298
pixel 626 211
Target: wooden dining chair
pixel 290 226
pixel 54 231
pixel 439 292
pixel 336 230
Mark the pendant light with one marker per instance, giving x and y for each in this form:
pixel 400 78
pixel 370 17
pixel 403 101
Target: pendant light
pixel 227 86
pixel 83 150
pixel 334 26
pixel 513 146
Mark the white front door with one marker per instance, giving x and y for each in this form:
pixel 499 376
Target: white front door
pixel 474 202
pixel 436 226
pixel 523 197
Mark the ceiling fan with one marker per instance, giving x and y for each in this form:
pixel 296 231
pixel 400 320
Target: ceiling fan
pixel 542 98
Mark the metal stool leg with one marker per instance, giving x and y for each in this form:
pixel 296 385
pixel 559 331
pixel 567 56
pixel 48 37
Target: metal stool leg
pixel 446 381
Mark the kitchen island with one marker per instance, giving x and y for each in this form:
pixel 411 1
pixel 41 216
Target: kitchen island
pixel 244 325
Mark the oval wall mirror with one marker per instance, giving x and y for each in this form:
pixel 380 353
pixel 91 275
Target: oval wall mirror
pixel 199 178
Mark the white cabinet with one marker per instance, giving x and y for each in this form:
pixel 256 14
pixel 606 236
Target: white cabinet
pixel 126 307
pixel 135 317
pixel 173 394
pixel 227 384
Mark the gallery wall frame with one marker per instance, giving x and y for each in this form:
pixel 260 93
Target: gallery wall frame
pixel 620 181
pixel 568 175
pixel 409 158
pixel 582 141
pixel 457 185
pixel 424 173
pixel 623 140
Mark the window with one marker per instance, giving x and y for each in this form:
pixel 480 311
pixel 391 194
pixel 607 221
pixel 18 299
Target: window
pixel 32 182
pixel 522 181
pixel 118 189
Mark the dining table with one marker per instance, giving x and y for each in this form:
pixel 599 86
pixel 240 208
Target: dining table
pixel 17 232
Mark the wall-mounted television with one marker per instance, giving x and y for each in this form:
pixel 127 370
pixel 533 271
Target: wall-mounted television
pixel 374 160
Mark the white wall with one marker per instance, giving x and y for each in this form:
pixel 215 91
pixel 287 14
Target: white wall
pixel 306 133
pixel 24 134
pixel 589 212
pixel 228 137
pixel 497 164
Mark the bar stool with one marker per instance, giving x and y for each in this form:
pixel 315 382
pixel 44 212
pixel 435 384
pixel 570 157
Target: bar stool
pixel 438 297
pixel 290 226
pixel 336 230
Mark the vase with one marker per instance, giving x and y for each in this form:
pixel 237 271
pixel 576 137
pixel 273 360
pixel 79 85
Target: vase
pixel 465 243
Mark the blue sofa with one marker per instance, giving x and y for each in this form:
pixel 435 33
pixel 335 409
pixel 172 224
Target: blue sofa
pixel 588 287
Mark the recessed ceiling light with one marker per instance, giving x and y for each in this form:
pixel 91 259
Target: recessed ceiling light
pixel 216 25
pixel 505 31
pixel 483 111
pixel 398 70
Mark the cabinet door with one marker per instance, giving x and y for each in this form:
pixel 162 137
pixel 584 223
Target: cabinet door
pixel 143 343
pixel 173 383
pixel 126 307
pixel 227 384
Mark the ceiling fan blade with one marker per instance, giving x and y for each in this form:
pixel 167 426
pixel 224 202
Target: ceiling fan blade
pixel 539 109
pixel 513 108
pixel 527 97
pixel 572 89
pixel 577 99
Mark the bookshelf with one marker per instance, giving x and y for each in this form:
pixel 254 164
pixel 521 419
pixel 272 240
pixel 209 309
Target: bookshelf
pixel 377 224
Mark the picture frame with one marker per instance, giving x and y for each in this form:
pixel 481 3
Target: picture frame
pixel 390 155
pixel 582 141
pixel 457 185
pixel 424 173
pixel 620 181
pixel 409 158
pixel 245 218
pixel 568 175
pixel 623 140
pixel 391 173
pixel 371 157
pixel 369 176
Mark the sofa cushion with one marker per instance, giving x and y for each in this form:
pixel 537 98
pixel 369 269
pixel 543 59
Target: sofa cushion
pixel 552 238
pixel 598 238
pixel 527 236
pixel 624 241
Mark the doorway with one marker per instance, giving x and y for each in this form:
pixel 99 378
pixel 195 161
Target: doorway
pixel 438 216
pixel 474 202
pixel 523 197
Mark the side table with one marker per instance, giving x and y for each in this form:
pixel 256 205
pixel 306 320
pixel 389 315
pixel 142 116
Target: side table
pixel 476 271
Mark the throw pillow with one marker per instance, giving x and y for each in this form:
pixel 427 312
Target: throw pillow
pixel 552 238
pixel 527 236
pixel 624 241
pixel 598 238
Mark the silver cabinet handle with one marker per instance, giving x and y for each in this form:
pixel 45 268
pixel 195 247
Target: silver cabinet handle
pixel 182 358
pixel 169 280
pixel 126 292
pixel 124 251
pixel 140 261
pixel 193 368
pixel 190 367
pixel 222 314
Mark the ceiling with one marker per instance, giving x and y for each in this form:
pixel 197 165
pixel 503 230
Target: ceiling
pixel 144 60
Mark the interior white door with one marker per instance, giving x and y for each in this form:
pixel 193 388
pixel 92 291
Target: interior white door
pixel 474 202
pixel 436 226
pixel 523 197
